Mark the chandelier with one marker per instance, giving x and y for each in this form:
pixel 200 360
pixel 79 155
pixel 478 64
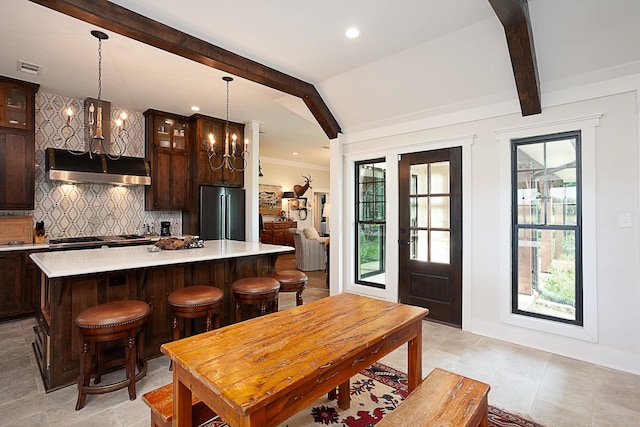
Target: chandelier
pixel 228 159
pixel 94 120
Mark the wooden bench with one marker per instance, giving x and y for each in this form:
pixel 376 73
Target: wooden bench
pixel 442 399
pixel 160 401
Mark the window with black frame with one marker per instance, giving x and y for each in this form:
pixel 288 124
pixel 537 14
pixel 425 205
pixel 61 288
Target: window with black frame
pixel 546 227
pixel 370 222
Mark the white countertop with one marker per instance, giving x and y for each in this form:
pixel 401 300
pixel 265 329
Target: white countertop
pixel 87 261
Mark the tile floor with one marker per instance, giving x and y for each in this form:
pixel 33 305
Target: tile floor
pixel 550 389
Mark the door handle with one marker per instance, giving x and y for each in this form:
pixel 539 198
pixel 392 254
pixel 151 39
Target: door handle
pixel 403 242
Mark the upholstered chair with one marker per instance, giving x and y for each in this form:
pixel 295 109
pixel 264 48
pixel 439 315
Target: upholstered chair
pixel 310 251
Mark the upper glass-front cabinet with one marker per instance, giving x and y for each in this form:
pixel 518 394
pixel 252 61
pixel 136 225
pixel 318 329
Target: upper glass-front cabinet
pixel 16 105
pixel 171 133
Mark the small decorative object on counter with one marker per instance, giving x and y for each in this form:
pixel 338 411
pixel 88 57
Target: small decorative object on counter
pixel 39 234
pixel 173 243
pixel 195 243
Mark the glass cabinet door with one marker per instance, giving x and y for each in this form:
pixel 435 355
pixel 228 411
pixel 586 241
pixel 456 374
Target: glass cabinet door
pixel 14 99
pixel 171 134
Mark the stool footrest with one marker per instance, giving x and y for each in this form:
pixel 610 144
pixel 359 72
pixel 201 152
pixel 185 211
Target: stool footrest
pixel 107 388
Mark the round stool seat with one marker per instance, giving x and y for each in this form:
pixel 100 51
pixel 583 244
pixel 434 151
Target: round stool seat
pixel 112 315
pixel 195 296
pixel 111 321
pixel 292 281
pixel 256 285
pixel 192 302
pixel 255 291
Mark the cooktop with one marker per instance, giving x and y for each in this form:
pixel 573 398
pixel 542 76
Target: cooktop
pixel 84 242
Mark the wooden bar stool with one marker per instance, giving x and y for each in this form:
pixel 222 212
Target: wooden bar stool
pixel 292 281
pixel 108 322
pixel 255 291
pixel 193 302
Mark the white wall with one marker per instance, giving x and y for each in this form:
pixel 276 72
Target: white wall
pixel 615 190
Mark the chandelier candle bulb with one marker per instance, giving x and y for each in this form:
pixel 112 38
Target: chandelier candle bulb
pixel 69 114
pixel 99 123
pixel 91 110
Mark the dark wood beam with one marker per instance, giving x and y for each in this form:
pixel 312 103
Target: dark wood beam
pixel 514 16
pixel 123 21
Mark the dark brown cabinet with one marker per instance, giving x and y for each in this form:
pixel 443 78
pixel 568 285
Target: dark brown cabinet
pixel 11 273
pixel 277 233
pixel 204 129
pixel 167 144
pixel 17 144
pixel 19 284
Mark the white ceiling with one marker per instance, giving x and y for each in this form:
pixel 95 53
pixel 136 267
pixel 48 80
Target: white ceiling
pixel 415 58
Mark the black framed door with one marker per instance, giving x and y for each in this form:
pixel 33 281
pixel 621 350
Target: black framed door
pixel 430 235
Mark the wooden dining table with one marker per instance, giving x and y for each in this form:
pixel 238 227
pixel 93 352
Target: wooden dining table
pixel 260 372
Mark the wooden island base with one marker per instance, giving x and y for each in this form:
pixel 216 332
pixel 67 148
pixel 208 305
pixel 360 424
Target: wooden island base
pixel 57 342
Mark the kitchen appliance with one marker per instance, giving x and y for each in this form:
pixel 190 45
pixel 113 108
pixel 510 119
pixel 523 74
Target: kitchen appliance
pixel 60 165
pixel 222 213
pixel 88 242
pixel 165 228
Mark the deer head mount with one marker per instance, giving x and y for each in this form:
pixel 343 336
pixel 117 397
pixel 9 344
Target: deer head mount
pixel 299 190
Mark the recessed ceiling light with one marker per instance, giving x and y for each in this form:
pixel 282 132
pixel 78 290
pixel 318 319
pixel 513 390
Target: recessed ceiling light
pixel 294 153
pixel 352 33
pixel 195 108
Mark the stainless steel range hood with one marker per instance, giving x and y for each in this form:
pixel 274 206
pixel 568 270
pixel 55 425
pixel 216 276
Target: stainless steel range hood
pixel 67 167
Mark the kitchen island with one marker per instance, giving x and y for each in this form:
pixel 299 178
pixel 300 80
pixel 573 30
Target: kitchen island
pixel 72 281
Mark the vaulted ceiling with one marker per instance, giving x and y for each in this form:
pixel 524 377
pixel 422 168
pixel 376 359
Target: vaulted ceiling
pixel 414 59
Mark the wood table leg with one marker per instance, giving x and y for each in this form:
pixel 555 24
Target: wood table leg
pixel 182 414
pixel 344 400
pixel 415 359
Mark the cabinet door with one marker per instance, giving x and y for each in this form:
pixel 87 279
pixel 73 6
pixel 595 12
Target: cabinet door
pixel 17 169
pixel 170 133
pixel 235 178
pixel 206 128
pixel 179 181
pixel 167 146
pixel 278 235
pixel 11 273
pixel 160 190
pixel 16 106
pixel 30 299
pixel 222 175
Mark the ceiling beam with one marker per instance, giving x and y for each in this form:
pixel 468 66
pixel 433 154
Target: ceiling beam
pixel 514 16
pixel 113 17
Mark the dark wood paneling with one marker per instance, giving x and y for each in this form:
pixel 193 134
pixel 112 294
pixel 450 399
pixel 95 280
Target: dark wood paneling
pixel 514 16
pixel 64 299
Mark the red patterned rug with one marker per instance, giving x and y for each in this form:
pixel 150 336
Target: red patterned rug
pixel 376 391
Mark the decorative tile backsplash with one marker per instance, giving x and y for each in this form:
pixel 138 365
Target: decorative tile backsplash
pixel 88 209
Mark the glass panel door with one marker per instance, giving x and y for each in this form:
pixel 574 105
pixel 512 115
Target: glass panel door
pixel 430 212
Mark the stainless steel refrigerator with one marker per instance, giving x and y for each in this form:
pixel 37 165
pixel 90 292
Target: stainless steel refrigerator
pixel 222 213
